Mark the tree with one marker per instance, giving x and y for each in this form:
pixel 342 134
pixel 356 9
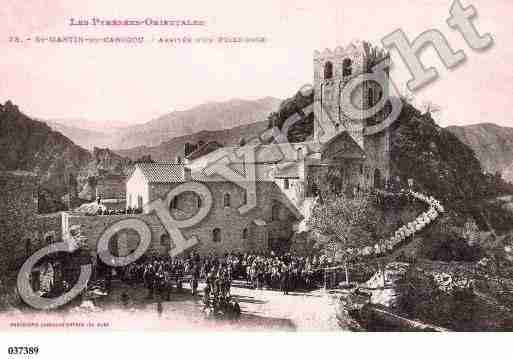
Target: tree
pixel 344 221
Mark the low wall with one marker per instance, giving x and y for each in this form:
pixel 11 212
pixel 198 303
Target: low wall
pixel 92 228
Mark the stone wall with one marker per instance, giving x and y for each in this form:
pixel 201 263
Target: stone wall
pixel 259 223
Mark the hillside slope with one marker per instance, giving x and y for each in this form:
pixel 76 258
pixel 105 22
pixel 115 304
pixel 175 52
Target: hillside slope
pixel 31 145
pixel 492 144
pixel 207 117
pixel 441 163
pixel 88 139
pixel 62 167
pixel 169 150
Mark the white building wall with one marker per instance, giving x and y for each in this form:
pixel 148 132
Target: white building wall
pixel 136 187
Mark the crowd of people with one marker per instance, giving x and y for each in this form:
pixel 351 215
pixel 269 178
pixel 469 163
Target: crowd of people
pixel 282 272
pixel 158 275
pixel 256 270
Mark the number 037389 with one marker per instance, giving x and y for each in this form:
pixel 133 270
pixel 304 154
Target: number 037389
pixel 23 350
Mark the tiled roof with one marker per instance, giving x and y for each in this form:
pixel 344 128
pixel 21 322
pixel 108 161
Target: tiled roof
pixel 263 173
pixel 264 154
pixel 160 172
pixel 175 172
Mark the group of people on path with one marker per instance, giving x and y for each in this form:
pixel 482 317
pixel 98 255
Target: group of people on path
pixel 279 272
pixel 258 270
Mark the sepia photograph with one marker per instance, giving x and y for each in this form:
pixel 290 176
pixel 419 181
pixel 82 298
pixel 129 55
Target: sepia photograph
pixel 255 167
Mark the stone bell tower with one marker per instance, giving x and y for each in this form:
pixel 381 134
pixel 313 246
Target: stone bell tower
pixel 333 69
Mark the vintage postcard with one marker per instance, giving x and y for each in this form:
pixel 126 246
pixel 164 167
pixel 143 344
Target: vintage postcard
pixel 313 166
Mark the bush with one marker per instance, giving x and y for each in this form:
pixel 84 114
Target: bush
pixel 419 297
pixel 443 242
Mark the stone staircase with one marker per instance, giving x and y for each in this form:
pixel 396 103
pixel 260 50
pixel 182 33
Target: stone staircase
pixel 406 232
pixel 395 245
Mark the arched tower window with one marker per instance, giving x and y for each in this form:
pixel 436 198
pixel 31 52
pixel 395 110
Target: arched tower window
pixel 216 235
pixel 347 67
pixel 226 200
pixel 328 70
pixel 245 233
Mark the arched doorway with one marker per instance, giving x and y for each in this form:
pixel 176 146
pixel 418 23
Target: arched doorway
pixel 377 178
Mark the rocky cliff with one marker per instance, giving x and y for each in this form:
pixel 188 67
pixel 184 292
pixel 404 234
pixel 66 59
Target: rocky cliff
pixel 63 168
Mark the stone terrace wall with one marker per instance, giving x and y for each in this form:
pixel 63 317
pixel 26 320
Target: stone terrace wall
pixel 228 219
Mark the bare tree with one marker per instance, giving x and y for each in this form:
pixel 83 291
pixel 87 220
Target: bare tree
pixel 342 219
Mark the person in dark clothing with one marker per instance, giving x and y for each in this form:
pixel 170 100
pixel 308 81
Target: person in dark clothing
pixel 125 298
pixel 195 278
pixel 284 281
pixel 160 308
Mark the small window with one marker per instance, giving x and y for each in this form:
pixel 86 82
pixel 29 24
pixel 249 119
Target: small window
pixel 187 173
pixel 347 67
pixel 299 153
pixel 245 233
pixel 244 197
pixel 226 200
pixel 165 240
pixel 198 201
pixel 286 183
pixel 328 70
pixel 275 212
pixel 216 235
pixel 49 239
pixel 361 169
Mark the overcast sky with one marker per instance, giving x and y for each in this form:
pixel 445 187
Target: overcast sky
pixel 137 83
